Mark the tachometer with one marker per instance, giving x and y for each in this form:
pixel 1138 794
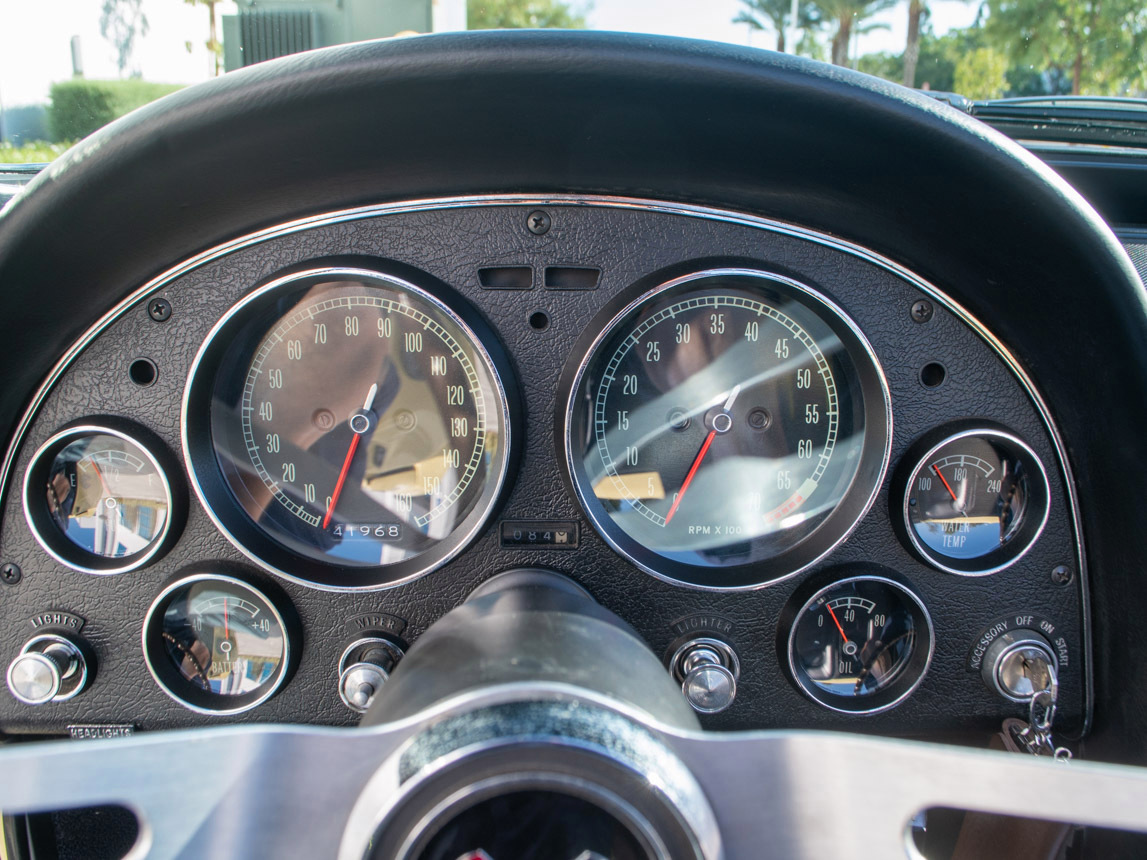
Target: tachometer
pixel 349 418
pixel 728 428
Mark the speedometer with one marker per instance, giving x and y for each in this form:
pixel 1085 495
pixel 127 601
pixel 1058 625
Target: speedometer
pixel 728 429
pixel 349 418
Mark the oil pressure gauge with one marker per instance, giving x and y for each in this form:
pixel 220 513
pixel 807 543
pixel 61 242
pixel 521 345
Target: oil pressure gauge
pixel 975 502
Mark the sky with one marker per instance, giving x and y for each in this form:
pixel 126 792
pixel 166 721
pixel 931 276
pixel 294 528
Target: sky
pixel 35 37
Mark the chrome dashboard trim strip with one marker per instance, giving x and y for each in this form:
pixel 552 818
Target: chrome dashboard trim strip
pixel 603 201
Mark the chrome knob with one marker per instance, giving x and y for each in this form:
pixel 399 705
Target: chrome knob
pixel 365 666
pixel 49 668
pixel 1019 663
pixel 708 670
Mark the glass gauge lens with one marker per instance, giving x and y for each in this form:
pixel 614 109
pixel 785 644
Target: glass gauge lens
pixel 97 500
pixel 355 420
pixel 860 645
pixel 216 644
pixel 728 429
pixel 976 502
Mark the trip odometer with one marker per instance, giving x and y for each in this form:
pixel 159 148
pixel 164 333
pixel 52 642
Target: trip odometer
pixel 353 419
pixel 728 429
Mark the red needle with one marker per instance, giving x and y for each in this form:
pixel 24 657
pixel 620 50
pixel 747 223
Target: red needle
pixel 946 485
pixel 700 456
pixel 226 629
pixel 689 478
pixel 350 454
pixel 342 479
pixel 837 623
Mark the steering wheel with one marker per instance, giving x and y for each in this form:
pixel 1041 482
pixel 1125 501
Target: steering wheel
pixel 529 702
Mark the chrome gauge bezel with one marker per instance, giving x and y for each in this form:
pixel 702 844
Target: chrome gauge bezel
pixel 882 700
pixel 1029 531
pixel 49 537
pixel 223 508
pixel 195 699
pixel 828 535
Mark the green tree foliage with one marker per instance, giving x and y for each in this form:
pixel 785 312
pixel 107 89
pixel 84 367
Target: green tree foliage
pixel 981 73
pixel 516 14
pixel 774 15
pixel 1098 44
pixel 935 67
pixel 120 22
pixel 80 106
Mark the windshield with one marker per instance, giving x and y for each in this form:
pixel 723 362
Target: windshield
pixel 69 67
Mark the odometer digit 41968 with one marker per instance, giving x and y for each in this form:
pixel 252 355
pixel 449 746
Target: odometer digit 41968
pixel 355 419
pixel 728 428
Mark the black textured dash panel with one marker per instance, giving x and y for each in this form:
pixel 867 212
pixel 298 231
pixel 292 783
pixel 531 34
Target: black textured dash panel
pixel 627 245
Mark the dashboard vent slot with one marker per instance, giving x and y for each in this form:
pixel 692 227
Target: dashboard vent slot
pixel 572 277
pixel 506 277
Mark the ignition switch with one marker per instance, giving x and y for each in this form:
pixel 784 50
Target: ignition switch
pixel 1018 664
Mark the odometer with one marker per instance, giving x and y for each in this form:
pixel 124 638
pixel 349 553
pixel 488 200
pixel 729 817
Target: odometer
pixel 354 420
pixel 728 429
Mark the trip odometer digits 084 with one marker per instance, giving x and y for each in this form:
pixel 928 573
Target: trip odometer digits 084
pixel 356 420
pixel 728 429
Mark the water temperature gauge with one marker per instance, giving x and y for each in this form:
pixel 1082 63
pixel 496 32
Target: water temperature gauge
pixel 975 502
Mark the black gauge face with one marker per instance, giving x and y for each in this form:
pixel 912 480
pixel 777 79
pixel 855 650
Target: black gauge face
pixel 356 421
pixel 216 644
pixel 860 645
pixel 97 500
pixel 976 502
pixel 728 429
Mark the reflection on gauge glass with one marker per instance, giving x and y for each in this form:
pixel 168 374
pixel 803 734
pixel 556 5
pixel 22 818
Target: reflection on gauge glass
pixel 976 501
pixel 216 644
pixel 728 429
pixel 354 420
pixel 860 645
pixel 97 499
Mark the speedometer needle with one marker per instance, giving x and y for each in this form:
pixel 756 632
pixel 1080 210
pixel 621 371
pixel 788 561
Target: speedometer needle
pixel 701 455
pixel 359 428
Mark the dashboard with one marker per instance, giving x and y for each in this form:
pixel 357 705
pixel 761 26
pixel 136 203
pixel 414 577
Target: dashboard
pixel 752 393
pixel 725 428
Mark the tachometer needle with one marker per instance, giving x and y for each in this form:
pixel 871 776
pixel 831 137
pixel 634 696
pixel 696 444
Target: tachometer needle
pixel 700 456
pixel 359 428
pixel 948 487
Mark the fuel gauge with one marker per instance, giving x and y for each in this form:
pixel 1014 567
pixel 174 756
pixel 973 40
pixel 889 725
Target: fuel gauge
pixel 975 502
pixel 98 499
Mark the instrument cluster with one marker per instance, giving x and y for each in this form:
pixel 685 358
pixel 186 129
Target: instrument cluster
pixel 741 408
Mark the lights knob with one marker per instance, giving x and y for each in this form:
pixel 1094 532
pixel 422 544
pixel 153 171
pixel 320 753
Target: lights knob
pixel 49 668
pixel 708 670
pixel 1018 664
pixel 365 666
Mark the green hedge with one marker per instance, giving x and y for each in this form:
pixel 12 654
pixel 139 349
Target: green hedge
pixel 80 106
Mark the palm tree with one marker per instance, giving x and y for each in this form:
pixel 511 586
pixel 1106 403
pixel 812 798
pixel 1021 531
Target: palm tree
pixel 776 13
pixel 851 18
pixel 916 10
